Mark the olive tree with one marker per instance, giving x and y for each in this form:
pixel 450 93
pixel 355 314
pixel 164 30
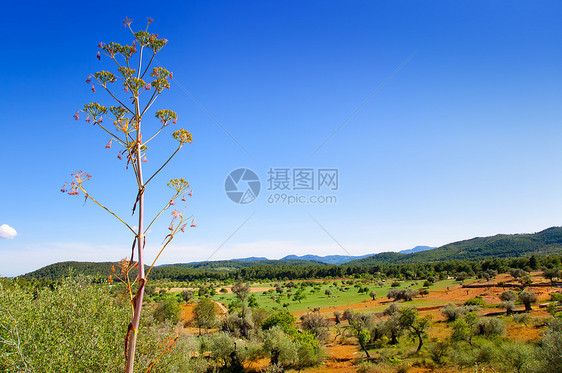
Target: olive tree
pixel 527 298
pixel 417 325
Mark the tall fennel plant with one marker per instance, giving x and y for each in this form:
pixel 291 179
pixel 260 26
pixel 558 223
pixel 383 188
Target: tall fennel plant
pixel 126 129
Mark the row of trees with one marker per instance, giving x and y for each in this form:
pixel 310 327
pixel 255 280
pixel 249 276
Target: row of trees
pixel 438 270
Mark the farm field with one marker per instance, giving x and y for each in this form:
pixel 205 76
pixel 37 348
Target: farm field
pixel 345 355
pixel 341 296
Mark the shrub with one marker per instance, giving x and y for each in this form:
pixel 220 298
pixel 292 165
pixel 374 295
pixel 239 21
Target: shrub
pixel 169 310
pixel 517 356
pixel 284 319
pixel 550 353
pixel 453 312
pixel 280 347
pixel 462 276
pixel 338 316
pixel 508 296
pixel 527 298
pixel 521 318
pixel 187 295
pixel 315 324
pixel 438 351
pixel 476 301
pixel 77 327
pixel 205 314
pixel 508 306
pixel 405 294
pixel 490 327
pixel 517 272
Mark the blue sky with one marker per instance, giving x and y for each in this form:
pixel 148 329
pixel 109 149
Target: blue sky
pixel 448 114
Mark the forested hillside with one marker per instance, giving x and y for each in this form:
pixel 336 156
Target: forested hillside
pixel 479 248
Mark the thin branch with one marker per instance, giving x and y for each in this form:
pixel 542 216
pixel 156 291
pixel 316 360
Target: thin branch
pixel 156 134
pixel 112 134
pixel 161 250
pixel 151 101
pixel 106 209
pixel 147 66
pixel 165 163
pixel 170 238
pixel 160 213
pixel 119 101
pixel 167 349
pixel 140 61
pixel 114 59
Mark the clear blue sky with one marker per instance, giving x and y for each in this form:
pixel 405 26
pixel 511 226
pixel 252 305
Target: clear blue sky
pixel 461 138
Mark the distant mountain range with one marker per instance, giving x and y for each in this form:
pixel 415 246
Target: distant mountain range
pixel 416 249
pixel 478 248
pixel 333 259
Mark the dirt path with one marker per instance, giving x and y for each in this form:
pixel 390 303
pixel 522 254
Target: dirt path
pixel 223 309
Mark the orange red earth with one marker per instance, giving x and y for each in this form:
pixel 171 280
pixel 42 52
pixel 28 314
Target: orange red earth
pixel 342 357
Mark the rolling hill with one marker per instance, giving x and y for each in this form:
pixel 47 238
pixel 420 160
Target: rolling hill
pixel 498 246
pixel 478 248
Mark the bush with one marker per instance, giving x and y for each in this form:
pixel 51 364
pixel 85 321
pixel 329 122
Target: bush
pixel 284 319
pixel 205 314
pixel 187 295
pixel 508 306
pixel 490 327
pixel 550 353
pixel 527 298
pixel 476 301
pixel 405 294
pixel 521 318
pixel 315 324
pixel 280 348
pixel 453 312
pixel 76 327
pixel 169 310
pixel 438 351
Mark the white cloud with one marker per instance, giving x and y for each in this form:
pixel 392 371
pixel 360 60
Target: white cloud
pixel 7 232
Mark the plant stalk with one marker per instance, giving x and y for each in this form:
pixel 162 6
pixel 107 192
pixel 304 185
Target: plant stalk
pixel 131 347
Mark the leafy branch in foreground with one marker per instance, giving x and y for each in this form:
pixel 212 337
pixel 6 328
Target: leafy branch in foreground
pixel 126 130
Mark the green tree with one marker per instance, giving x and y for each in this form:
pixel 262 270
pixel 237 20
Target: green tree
pixel 527 298
pixel 415 324
pixel 508 305
pixel 187 295
pixel 316 324
pixel 551 274
pixel 464 328
pixel 205 314
pixel 242 290
pixel 284 319
pixel 299 295
pixel 168 309
pixel 508 296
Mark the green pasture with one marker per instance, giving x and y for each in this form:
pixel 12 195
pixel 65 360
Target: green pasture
pixel 341 295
